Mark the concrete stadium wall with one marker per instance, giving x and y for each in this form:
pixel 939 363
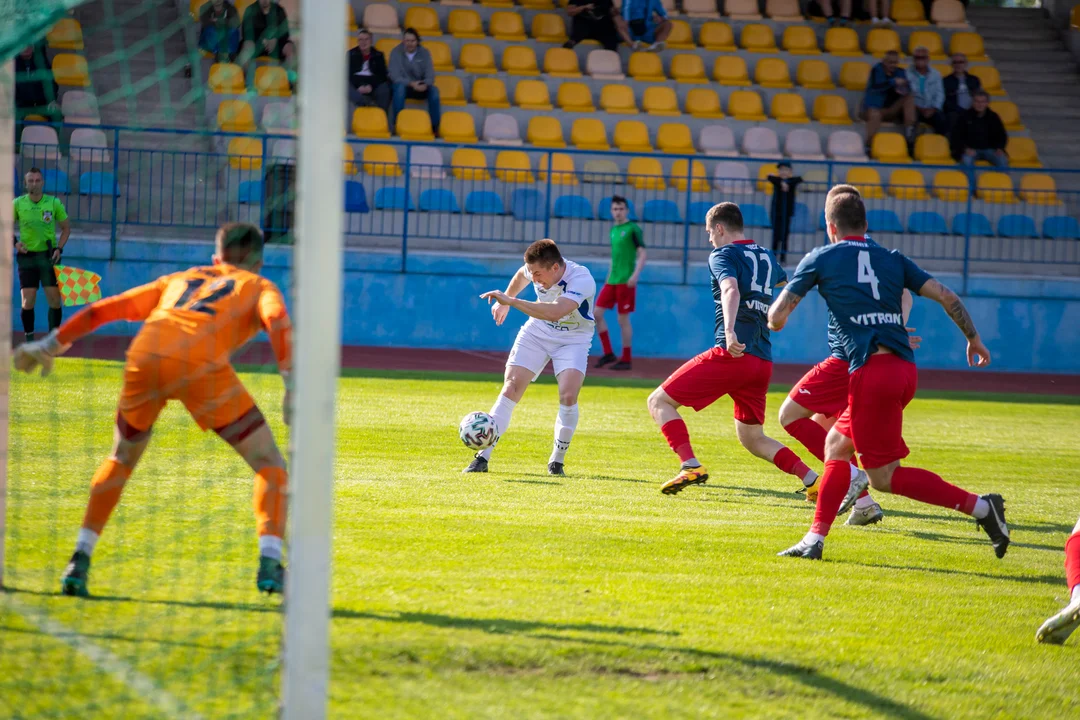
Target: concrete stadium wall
pixel 1029 324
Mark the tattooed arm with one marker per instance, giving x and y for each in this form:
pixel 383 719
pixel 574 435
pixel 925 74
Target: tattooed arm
pixel 978 355
pixel 782 308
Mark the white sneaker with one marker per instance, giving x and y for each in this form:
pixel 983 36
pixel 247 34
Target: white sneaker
pixel 1057 629
pixel 859 483
pixel 658 46
pixel 865 516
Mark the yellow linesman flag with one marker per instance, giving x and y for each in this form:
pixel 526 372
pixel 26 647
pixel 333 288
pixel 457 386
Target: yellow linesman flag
pixel 77 287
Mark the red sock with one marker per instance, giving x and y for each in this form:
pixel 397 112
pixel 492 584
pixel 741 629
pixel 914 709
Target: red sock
pixel 625 354
pixel 926 487
pixel 678 437
pixel 790 463
pixel 605 342
pixel 810 435
pixel 834 485
pixel 1072 560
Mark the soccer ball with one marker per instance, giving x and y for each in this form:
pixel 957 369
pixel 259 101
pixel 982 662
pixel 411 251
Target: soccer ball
pixel 478 431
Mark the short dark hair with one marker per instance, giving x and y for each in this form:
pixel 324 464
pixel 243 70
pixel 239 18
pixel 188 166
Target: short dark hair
pixel 35 170
pixel 411 31
pixel 619 200
pixel 239 244
pixel 727 214
pixel 894 53
pixel 980 93
pixel 848 213
pixel 543 252
pixel 842 189
pixel 363 31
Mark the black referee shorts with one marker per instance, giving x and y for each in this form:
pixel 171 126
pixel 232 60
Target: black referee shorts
pixel 36 268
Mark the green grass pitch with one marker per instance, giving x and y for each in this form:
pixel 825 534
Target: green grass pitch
pixel 518 595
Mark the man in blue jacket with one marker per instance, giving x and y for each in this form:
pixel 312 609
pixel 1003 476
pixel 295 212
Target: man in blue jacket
pixel 888 98
pixel 644 24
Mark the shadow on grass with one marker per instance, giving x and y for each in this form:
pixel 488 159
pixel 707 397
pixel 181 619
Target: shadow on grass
pixel 118 637
pixel 495 626
pixel 979 539
pixel 760 492
pixel 532 482
pixel 953 517
pixel 269 607
pixel 1056 580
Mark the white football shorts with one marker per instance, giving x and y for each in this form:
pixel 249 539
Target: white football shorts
pixel 533 349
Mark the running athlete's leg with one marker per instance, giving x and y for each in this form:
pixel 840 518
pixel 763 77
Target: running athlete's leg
pixel 570 381
pixel 753 438
pixel 1059 627
pixel 665 413
pixel 252 439
pixel 516 381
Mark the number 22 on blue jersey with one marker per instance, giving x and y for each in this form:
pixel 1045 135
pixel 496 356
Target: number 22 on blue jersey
pixel 760 264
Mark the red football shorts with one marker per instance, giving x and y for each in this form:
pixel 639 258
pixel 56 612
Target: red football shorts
pixel 713 374
pixel 878 392
pixel 617 296
pixel 824 388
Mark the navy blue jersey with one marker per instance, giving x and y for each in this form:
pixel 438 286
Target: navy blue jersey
pixel 757 273
pixel 836 343
pixel 862 284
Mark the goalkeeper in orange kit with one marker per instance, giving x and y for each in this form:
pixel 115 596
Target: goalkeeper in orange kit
pixel 193 321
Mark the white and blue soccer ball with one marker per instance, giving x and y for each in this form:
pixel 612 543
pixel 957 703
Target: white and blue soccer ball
pixel 478 431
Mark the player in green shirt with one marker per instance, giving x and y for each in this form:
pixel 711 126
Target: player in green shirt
pixel 620 290
pixel 38 249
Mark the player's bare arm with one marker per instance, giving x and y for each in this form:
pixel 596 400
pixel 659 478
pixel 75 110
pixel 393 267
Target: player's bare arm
pixel 978 355
pixel 639 265
pixel 65 231
pixel 906 302
pixel 541 311
pixel 729 302
pixel 780 310
pixel 517 283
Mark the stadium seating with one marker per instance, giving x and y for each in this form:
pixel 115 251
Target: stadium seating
pixel 355 197
pixel 439 200
pixel 1038 189
pixel 545 131
pixel 843 42
pixel 882 40
pixel 501 129
pixel 513 166
pixel 101 182
pixel 572 206
pixel 681 37
pixel 646 67
pixel 802 144
pixel 561 63
pixel 66 34
pixel 846 145
pixel 645 173
pixel 1010 115
pixel 469 164
pixel 589 134
pixel 867 180
pixel 746 105
pixel 426 22
pixel 772 73
pixel 995 187
pixel 518 60
pixel 415 124
pixel 465 24
pixel 381 161
pixel 703 103
pixel 687 68
pixel 933 150
pixel 757 38
pixel 603 209
pixel 929 40
pixel 948 14
pixel 660 210
pixel 235 116
pixel 907 184
pixel 272 81
pixel 562 169
pixel 70 70
pixel 604 65
pixel 490 93
pixel 548 28
pixel 1022 153
pixel 632 136
pixel 831 110
pixel 731 71
pixel 971 44
pixel 889 147
pixel 761 142
pixel 534 95
pixel 1016 226
pixel 854 75
pixel 528 204
pixel 456 126
pixel 89 145
pixel 1061 227
pixel 951 186
pixel 755 216
pixel 660 100
pixel 971 223
pixel 879 221
pixel 698 179
pixel 717 140
pixel 732 178
pixel 507 26
pixel 909 13
pixel 717 37
pixel 618 99
pixel 789 108
pixel 674 138
pixel 451 91
pixel 370 122
pixel 393 198
pixel 800 40
pixel 927 223
pixel 577 97
pixel 813 75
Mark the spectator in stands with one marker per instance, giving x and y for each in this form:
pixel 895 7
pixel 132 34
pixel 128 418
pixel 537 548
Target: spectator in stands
pixel 219 30
pixel 412 71
pixel 784 183
pixel 368 77
pixel 878 11
pixel 36 92
pixel 959 88
pixel 979 134
pixel 826 9
pixel 266 34
pixel 888 97
pixel 592 20
pixel 928 90
pixel 644 24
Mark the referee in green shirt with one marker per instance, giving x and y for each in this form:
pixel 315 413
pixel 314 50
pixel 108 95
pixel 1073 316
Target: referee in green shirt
pixel 38 249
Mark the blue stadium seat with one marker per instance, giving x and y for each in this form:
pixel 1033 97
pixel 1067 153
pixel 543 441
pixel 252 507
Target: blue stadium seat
pixel 973 223
pixel 927 223
pixel 883 221
pixel 700 209
pixel 822 225
pixel 604 209
pixel 56 182
pixel 800 221
pixel 439 200
pixel 1016 226
pixel 661 211
pixel 572 206
pixel 355 197
pixel 1061 227
pixel 755 216
pixel 393 198
pixel 528 204
pixel 98 183
pixel 484 202
pixel 250 191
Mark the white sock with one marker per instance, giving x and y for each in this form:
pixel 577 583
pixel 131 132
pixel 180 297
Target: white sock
pixel 854 471
pixel 812 537
pixel 691 463
pixel 864 502
pixel 86 541
pixel 1076 594
pixel 501 412
pixel 810 479
pixel 565 424
pixel 982 509
pixel 270 546
pixel 1077 528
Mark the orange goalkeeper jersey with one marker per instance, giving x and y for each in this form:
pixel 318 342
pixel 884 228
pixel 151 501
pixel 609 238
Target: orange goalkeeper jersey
pixel 202 315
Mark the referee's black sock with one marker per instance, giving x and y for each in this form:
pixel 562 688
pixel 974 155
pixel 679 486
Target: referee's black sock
pixel 28 321
pixel 56 315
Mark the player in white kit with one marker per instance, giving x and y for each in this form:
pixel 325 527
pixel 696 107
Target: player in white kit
pixel 559 329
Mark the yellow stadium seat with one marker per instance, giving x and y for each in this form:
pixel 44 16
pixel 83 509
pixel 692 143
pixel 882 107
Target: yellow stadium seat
pixel 66 34
pixel 784 11
pixel 881 40
pixel 477 58
pixel 855 75
pixel 843 42
pixel 1038 189
pixel 353 27
pixel 381 161
pixel 758 38
pixel 532 95
pixel 561 63
pixel 990 77
pixel 948 14
pixel 645 173
pixel 889 147
pixel 618 100
pixel 1022 153
pixel 413 124
pixel 245 153
pixel 562 169
pixel 731 70
pixel 933 150
pixel 497 3
pixel 545 131
pixel 577 97
pixel 660 100
pixel 788 108
pixel 909 13
pixel 632 136
pixel 696 170
pixel 905 184
pixel 469 164
pixel 969 43
pixel 1009 113
pixel 674 138
pixel 465 24
pixel 867 180
pixel 235 116
pixel 589 134
pixel 537 4
pixel 370 122
pixel 379 18
pixel 548 28
pixel 681 37
pixel 951 186
pixel 513 166
pixel 489 93
pixel 742 9
pixel 227 79
pixel 746 105
pixel 519 60
pixel 814 75
pixel 349 160
pixel 688 69
pixel 764 171
pixel 772 73
pixel 831 110
pixel 929 40
pixel 71 70
pixel 995 187
pixel 800 40
pixel 441 58
pixel 455 126
pixel 717 37
pixel 507 26
pixel 424 20
pixel 646 67
pixel 272 81
pixel 700 9
pixel 451 91
pixel 1074 17
pixel 704 103
pixel 387 45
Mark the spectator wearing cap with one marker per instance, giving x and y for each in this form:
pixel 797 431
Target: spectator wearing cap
pixel 784 183
pixel 412 72
pixel 979 134
pixel 928 90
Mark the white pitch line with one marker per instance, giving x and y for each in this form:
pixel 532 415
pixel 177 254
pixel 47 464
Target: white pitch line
pixel 121 671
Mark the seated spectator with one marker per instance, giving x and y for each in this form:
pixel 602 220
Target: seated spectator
pixel 929 92
pixel 644 24
pixel 36 91
pixel 412 72
pixel 266 34
pixel 959 88
pixel 368 78
pixel 888 97
pixel 592 20
pixel 979 134
pixel 826 10
pixel 219 30
pixel 878 10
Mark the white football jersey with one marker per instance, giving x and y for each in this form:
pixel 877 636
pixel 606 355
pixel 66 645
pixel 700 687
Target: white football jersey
pixel 577 284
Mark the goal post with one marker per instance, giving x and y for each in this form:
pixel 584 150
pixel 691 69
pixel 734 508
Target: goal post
pixel 7 229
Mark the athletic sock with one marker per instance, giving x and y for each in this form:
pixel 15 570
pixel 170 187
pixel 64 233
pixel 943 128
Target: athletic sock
pixel 926 487
pixel 501 413
pixel 565 424
pixel 790 463
pixel 981 509
pixel 864 501
pixel 28 320
pixel 86 541
pixel 270 498
pixel 810 435
pixel 812 537
pixel 605 343
pixel 834 484
pixel 105 489
pixel 56 316
pixel 626 355
pixel 270 546
pixel 1072 563
pixel 678 438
